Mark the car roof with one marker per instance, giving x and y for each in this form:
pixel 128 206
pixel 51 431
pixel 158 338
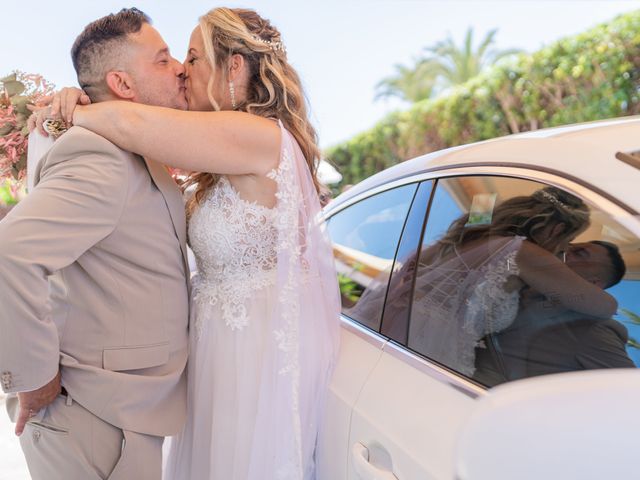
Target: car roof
pixel 583 151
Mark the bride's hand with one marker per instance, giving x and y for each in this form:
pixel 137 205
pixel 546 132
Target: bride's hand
pixel 39 114
pixel 64 103
pixel 58 107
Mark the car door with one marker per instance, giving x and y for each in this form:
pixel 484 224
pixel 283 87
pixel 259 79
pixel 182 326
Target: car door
pixel 404 421
pixel 365 236
pixel 415 401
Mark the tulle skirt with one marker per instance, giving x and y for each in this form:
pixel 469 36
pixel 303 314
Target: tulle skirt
pixel 225 367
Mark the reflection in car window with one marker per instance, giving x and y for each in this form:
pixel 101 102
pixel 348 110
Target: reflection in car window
pixel 365 238
pixel 509 283
pixel 398 304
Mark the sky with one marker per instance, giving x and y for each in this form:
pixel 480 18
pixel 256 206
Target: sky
pixel 341 49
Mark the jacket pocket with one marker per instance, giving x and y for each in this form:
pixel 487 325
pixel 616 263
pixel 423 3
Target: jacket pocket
pixel 136 357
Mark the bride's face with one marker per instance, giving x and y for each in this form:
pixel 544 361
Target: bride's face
pixel 198 72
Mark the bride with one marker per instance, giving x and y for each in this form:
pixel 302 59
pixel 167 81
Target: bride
pixel 265 300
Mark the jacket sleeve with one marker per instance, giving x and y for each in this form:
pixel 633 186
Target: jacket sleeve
pixel 603 346
pixel 77 203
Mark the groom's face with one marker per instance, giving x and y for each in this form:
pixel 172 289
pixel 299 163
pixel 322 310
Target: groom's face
pixel 158 77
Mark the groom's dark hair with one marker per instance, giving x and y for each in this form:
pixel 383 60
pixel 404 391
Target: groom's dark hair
pixel 617 269
pixel 98 49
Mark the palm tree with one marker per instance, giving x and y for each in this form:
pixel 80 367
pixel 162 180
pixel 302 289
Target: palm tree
pixel 410 84
pixel 632 319
pixel 445 65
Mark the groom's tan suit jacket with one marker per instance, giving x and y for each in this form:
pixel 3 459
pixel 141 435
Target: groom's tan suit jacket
pixel 94 278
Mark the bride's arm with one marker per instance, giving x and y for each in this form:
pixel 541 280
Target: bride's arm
pixel 225 142
pixel 546 274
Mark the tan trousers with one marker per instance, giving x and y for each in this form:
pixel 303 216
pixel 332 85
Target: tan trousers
pixel 67 442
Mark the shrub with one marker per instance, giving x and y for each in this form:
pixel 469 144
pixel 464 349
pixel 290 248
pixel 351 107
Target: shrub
pixel 589 76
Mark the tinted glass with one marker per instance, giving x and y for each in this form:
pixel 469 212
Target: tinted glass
pixel 395 320
pixel 509 283
pixel 365 239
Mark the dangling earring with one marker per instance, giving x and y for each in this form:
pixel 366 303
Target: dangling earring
pixel 232 94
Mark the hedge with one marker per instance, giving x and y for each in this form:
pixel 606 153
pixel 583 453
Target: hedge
pixel 589 76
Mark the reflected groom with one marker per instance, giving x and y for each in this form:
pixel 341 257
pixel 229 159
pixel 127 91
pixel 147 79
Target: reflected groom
pixel 94 281
pixel 546 338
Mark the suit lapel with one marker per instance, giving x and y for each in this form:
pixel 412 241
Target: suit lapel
pixel 173 200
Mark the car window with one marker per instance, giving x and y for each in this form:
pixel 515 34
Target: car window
pixel 515 279
pixel 399 294
pixel 365 238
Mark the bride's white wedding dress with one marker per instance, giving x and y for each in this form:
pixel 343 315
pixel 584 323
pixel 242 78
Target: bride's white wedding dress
pixel 464 297
pixel 264 333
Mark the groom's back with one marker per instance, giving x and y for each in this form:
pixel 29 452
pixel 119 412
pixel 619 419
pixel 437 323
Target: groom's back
pixel 121 302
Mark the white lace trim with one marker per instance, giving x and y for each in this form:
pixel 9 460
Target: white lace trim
pixel 234 241
pixel 289 198
pixel 491 308
pixel 230 296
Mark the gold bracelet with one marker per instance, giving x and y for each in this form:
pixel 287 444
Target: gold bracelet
pixel 55 127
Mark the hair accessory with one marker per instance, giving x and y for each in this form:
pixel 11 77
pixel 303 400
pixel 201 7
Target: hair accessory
pixel 276 46
pixel 232 94
pixel 552 199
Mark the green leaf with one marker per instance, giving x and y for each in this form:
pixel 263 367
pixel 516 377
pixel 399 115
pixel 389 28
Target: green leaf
pixel 14 87
pixel 21 102
pixel 21 118
pixel 633 317
pixel 633 343
pixel 9 78
pixel 5 130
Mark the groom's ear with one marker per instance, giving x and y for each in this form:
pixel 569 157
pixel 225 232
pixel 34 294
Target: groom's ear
pixel 121 85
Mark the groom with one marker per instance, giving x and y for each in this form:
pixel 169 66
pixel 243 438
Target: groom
pixel 94 281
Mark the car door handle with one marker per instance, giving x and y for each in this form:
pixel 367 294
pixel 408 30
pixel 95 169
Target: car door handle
pixel 366 470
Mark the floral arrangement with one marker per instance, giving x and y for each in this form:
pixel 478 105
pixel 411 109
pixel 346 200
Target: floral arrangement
pixel 17 92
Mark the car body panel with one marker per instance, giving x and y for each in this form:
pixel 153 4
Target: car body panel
pixel 360 352
pixel 408 421
pixel 565 426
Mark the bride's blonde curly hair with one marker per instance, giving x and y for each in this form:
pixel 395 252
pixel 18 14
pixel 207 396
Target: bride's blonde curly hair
pixel 274 89
pixel 526 216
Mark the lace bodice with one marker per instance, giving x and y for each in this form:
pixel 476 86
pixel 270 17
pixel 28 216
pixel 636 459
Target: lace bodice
pixel 234 241
pixel 492 301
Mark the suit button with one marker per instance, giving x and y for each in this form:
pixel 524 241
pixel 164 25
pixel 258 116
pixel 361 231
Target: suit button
pixel 36 435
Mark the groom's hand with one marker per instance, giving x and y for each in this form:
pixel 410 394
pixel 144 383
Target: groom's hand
pixel 32 402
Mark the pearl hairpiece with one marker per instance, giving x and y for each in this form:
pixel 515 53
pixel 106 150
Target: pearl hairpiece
pixel 276 46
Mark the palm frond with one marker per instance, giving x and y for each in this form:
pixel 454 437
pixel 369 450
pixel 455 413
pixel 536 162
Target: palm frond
pixel 442 65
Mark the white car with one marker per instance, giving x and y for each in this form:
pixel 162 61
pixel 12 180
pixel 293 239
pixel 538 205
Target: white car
pixel 400 407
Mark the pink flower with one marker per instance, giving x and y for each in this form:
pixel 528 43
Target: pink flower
pixel 13 119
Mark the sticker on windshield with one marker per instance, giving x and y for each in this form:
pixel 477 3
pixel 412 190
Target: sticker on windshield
pixel 481 211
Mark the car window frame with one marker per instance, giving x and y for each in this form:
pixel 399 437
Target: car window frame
pixel 361 199
pixel 421 213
